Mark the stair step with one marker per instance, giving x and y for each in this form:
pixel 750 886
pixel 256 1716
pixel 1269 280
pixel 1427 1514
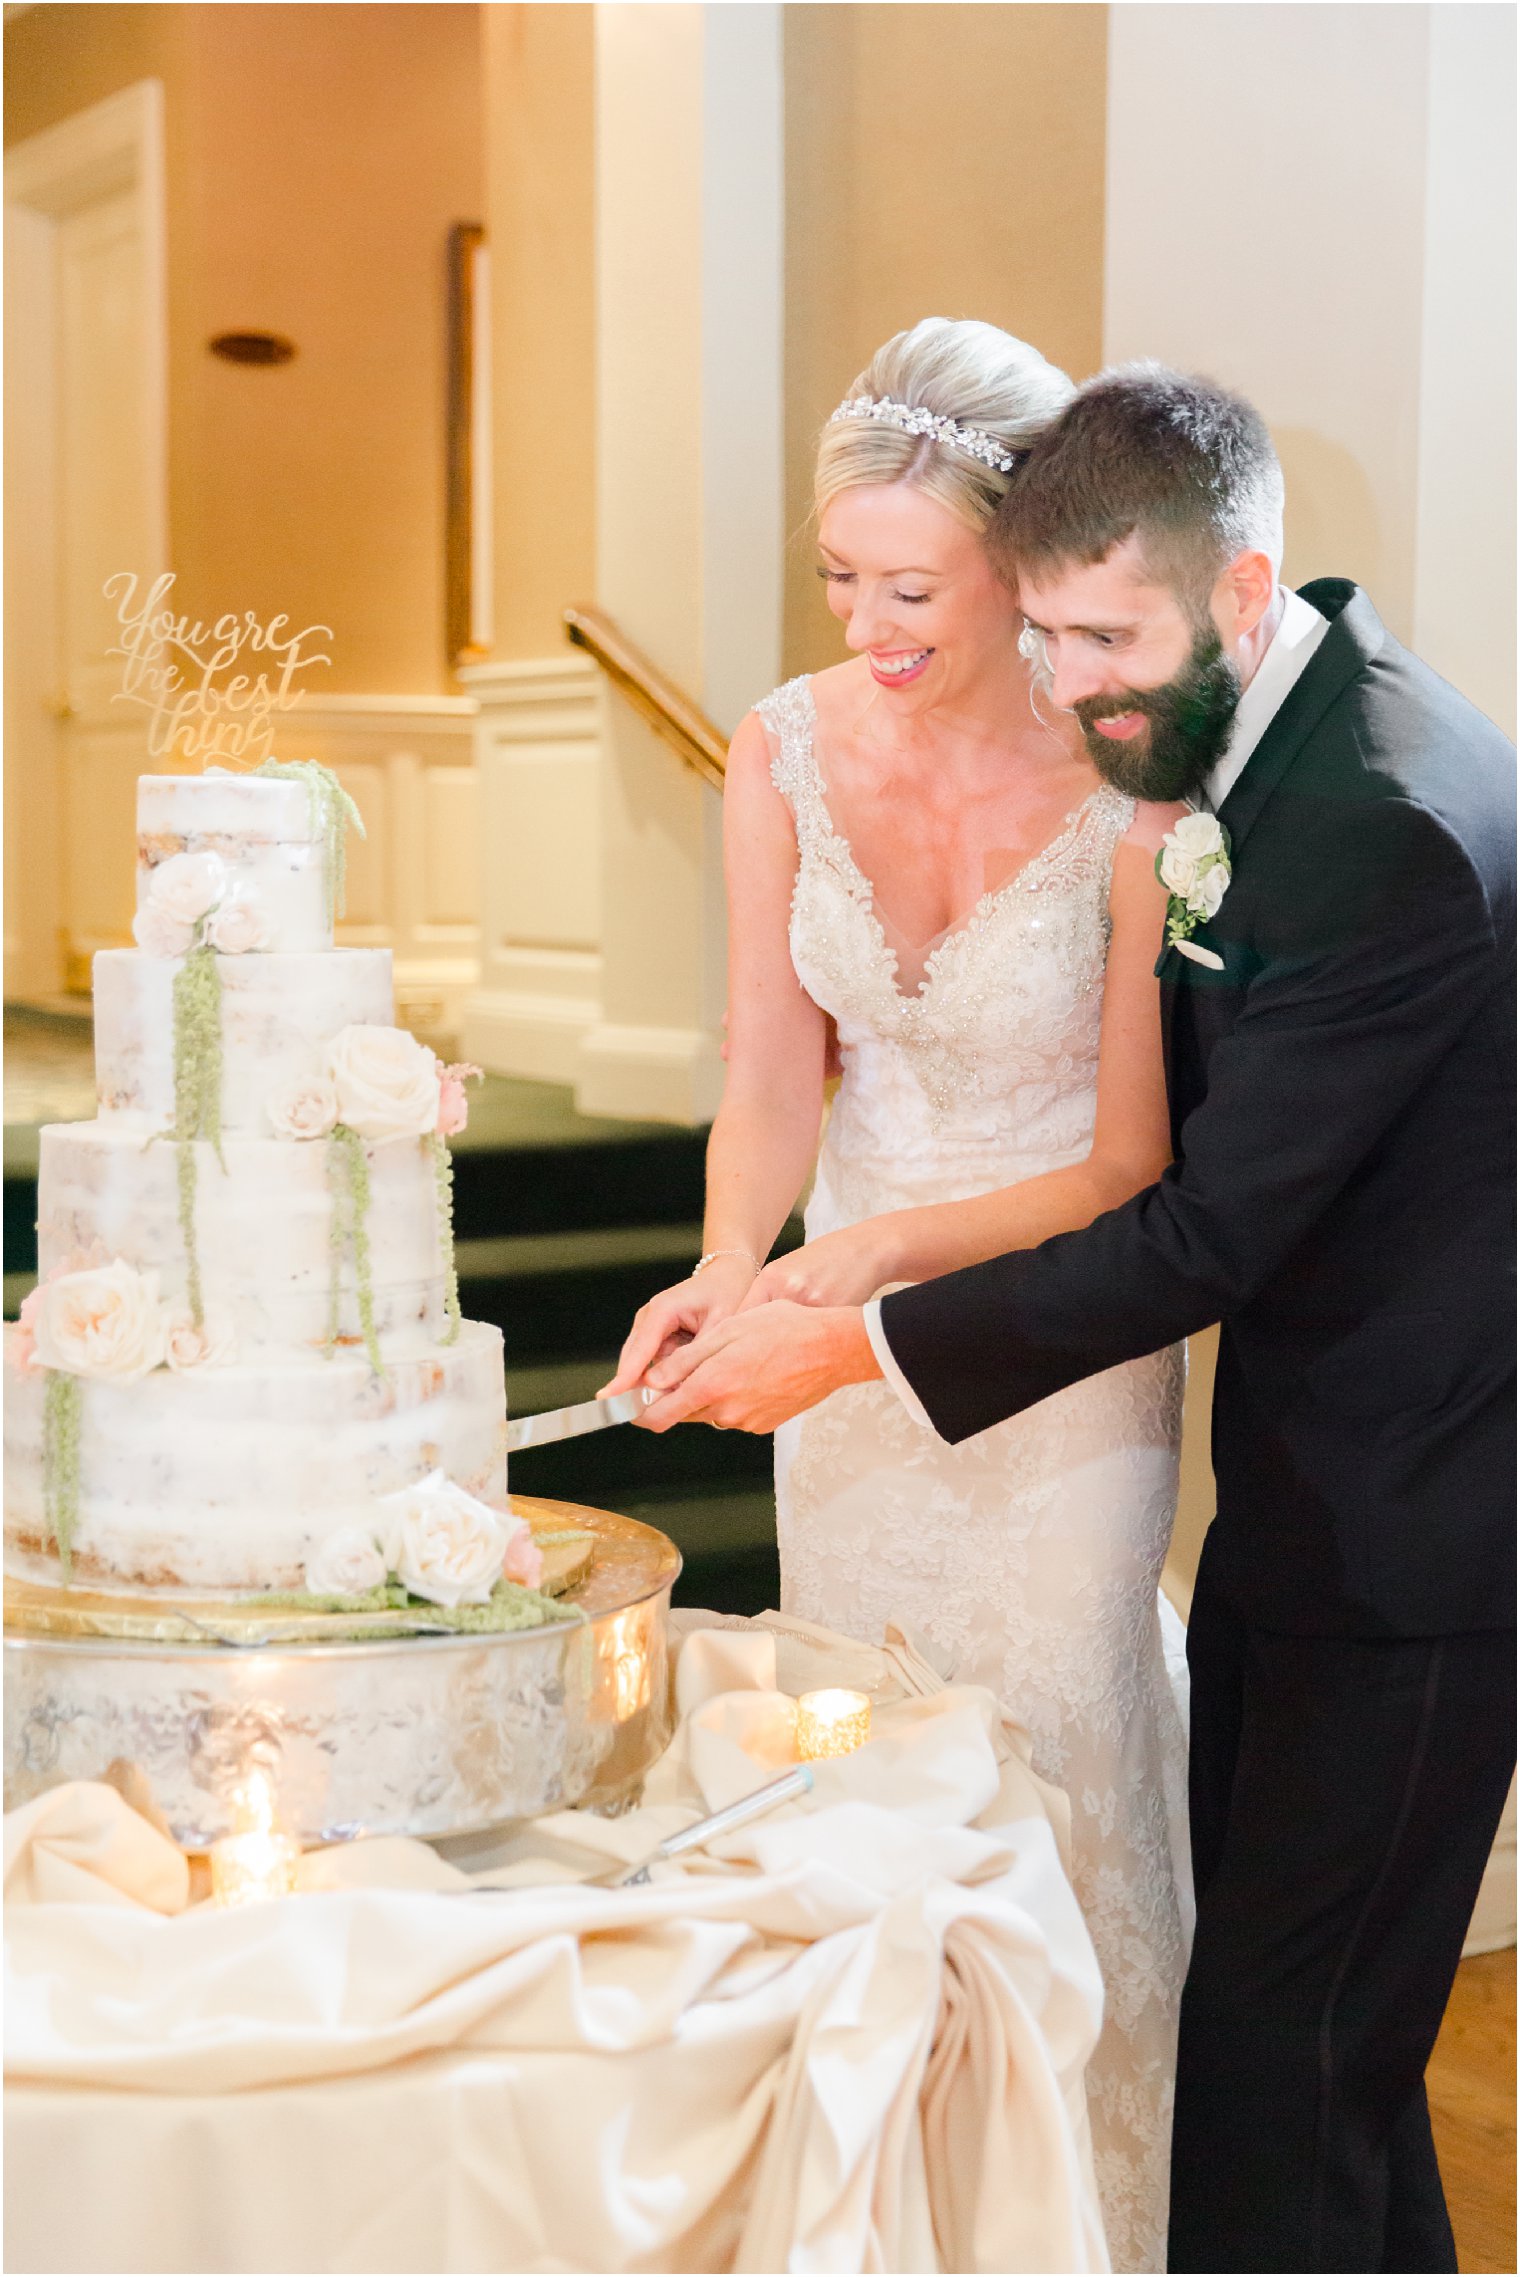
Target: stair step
pixel 604 1468
pixel 727 1544
pixel 506 1256
pixel 559 1295
pixel 703 1523
pixel 641 1181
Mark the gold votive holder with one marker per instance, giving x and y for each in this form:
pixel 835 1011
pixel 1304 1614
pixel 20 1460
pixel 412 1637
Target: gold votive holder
pixel 833 1722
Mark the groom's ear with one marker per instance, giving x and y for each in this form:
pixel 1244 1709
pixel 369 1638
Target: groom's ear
pixel 1243 595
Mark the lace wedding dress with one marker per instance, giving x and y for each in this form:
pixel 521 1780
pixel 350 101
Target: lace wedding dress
pixel 1030 1555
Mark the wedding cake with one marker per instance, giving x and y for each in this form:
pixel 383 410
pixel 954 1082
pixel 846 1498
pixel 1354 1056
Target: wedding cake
pixel 243 1369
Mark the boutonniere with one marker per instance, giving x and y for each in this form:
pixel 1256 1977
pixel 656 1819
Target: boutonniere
pixel 1194 866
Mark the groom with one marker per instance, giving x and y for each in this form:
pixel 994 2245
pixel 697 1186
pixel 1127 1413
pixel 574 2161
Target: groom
pixel 1339 1036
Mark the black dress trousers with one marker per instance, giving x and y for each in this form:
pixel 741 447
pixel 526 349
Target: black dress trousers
pixel 1345 1792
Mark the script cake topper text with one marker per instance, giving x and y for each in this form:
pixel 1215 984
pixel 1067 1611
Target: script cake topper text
pixel 195 679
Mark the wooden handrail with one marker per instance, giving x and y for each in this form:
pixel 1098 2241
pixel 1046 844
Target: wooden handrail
pixel 668 709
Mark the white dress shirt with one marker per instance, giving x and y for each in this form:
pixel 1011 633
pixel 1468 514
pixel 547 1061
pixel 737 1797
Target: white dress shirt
pixel 1300 629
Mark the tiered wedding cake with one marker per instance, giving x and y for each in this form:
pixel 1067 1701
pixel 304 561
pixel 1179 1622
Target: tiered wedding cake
pixel 246 1334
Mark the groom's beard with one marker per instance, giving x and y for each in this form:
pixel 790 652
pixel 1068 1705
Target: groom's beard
pixel 1189 722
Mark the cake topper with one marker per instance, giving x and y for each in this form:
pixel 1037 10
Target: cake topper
pixel 195 679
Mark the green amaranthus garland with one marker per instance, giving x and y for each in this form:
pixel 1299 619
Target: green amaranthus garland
pixel 332 810
pixel 509 1606
pixel 197 1090
pixel 62 1400
pixel 348 1178
pixel 443 1175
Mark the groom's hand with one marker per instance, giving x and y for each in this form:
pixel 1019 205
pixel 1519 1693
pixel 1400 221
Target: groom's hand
pixel 761 1368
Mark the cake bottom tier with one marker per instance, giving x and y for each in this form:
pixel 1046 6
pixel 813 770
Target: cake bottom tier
pixel 224 1480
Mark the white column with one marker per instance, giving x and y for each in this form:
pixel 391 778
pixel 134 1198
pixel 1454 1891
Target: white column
pixel 689 515
pixel 538 763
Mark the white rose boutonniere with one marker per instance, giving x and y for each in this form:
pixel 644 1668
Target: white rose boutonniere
pixel 105 1321
pixel 1194 866
pixel 449 1547
pixel 387 1083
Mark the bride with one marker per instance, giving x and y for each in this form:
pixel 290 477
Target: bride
pixel 921 851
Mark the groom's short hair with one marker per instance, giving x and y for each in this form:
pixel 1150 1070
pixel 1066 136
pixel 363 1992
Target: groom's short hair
pixel 1180 464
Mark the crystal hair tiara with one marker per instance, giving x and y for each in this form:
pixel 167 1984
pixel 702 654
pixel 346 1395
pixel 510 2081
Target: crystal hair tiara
pixel 913 419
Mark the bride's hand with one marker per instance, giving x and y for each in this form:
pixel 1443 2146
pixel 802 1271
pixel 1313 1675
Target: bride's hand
pixel 678 1314
pixel 844 1268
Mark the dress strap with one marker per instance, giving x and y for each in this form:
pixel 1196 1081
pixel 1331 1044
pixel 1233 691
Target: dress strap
pixel 790 719
pixel 1112 813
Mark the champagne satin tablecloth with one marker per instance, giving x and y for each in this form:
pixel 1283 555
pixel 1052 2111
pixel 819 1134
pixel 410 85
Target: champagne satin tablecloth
pixel 852 2037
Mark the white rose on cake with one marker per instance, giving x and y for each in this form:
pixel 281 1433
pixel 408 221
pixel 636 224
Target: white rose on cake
pixel 387 1083
pixel 304 1109
pixel 212 1345
pixel 448 1548
pixel 158 934
pixel 349 1563
pixel 187 886
pixel 105 1321
pixel 237 927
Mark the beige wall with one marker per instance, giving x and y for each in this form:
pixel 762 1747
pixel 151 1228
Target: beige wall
pixel 941 161
pixel 1464 608
pixel 1316 205
pixel 539 65
pixel 317 156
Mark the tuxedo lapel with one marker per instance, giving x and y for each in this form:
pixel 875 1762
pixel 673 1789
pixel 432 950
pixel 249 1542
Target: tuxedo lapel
pixel 1355 636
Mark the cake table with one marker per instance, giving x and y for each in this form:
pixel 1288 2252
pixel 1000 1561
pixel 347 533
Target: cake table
pixel 850 2037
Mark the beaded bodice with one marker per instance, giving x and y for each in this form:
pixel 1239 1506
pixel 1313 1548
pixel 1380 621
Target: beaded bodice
pixel 987 1072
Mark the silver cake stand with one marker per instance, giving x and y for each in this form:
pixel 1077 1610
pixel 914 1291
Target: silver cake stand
pixel 432 1736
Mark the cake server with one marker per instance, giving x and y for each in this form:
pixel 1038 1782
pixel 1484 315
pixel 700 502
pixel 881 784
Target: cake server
pixel 625 1876
pixel 573 1422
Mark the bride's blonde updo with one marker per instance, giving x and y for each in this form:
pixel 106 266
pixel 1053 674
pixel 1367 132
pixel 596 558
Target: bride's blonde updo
pixel 955 369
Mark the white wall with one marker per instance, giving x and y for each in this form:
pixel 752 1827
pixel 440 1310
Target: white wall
pixel 1315 204
pixel 1464 619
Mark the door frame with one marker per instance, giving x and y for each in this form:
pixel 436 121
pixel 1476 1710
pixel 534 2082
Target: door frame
pixel 114 147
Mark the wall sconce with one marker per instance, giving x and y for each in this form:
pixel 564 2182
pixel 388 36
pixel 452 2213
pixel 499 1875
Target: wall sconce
pixel 252 348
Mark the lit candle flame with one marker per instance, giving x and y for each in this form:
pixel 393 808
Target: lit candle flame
pixel 254 1804
pixel 255 1860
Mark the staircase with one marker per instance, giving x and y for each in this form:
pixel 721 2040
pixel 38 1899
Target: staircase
pixel 564 1225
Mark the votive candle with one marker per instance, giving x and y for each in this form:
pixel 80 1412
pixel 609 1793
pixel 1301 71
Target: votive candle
pixel 256 1860
pixel 833 1722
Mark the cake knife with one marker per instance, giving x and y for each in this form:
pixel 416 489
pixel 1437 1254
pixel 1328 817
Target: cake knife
pixel 573 1422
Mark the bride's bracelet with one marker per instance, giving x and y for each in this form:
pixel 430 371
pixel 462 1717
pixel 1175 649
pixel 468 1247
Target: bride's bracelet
pixel 711 1257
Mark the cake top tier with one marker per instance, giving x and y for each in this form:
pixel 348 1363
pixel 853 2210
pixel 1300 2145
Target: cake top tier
pixel 267 847
pixel 258 810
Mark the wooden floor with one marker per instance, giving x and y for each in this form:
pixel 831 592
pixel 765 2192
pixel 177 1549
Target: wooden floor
pixel 1471 2083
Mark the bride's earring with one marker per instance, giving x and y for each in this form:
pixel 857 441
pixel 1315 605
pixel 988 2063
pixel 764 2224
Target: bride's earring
pixel 1032 649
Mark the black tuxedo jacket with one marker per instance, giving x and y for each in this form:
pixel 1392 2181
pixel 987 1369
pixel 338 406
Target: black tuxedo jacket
pixel 1341 1198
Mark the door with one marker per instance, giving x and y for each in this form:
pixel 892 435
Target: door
pixel 85 467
